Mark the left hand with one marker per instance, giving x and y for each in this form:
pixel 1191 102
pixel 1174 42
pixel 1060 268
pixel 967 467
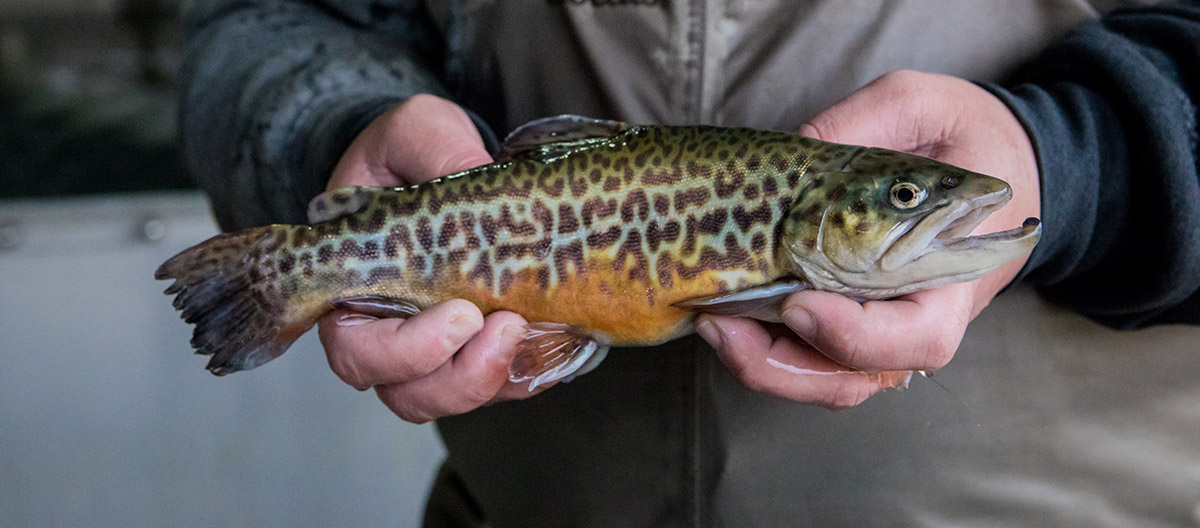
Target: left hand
pixel 936 116
pixel 449 359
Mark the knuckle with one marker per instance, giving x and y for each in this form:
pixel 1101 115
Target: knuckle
pixel 517 391
pixel 425 360
pixel 416 418
pixel 396 116
pixel 406 409
pixel 844 396
pixel 459 306
pixel 473 397
pixel 735 362
pixel 823 125
pixel 420 100
pixel 346 368
pixel 755 385
pixel 939 352
pixel 424 353
pixel 413 107
pixel 750 376
pixel 848 347
pixel 753 382
pixel 902 78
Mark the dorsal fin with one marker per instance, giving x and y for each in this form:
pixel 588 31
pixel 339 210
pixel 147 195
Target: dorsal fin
pixel 338 202
pixel 553 137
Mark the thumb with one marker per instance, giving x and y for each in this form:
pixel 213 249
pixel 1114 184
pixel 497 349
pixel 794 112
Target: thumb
pixel 891 111
pixel 431 137
pixel 419 140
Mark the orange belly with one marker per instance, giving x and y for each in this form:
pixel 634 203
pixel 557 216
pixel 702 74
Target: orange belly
pixel 630 312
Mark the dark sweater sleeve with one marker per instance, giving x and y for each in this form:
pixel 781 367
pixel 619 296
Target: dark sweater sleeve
pixel 1112 114
pixel 273 91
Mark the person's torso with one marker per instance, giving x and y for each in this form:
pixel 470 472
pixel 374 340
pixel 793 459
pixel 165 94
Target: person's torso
pixel 1048 422
pixel 764 63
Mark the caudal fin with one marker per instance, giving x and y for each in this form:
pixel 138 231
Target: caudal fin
pixel 217 287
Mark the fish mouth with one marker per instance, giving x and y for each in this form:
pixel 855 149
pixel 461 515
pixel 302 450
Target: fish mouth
pixel 947 228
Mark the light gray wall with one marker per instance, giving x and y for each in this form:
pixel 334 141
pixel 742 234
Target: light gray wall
pixel 107 419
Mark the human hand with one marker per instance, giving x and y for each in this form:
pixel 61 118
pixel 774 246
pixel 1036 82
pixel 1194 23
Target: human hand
pixel 936 116
pixel 448 359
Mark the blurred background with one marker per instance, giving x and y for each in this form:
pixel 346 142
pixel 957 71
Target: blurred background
pixel 86 96
pixel 105 419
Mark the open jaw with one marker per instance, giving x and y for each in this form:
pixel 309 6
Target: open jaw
pixel 936 250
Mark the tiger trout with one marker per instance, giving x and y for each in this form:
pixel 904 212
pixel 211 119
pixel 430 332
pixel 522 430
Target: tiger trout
pixel 601 234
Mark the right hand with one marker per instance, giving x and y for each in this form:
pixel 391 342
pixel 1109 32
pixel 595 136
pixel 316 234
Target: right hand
pixel 942 117
pixel 448 359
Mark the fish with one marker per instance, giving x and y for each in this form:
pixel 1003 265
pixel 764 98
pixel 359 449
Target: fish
pixel 601 234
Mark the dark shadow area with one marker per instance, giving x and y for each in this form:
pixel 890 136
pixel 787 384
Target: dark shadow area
pixel 87 99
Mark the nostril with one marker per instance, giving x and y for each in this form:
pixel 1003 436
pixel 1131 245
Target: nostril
pixel 951 182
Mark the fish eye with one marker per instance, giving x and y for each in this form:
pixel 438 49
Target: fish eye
pixel 906 195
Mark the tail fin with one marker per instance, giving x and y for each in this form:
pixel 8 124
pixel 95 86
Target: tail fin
pixel 217 287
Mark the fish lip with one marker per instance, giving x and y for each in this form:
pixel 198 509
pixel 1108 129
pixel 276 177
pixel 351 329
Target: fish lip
pixel 1029 227
pixel 967 258
pixel 942 227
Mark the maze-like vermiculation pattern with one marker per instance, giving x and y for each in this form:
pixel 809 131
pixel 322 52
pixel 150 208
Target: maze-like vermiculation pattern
pixel 607 237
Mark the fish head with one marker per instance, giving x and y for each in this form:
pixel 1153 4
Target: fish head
pixel 889 223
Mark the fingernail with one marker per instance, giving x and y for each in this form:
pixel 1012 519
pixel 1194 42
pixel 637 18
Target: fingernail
pixel 355 319
pixel 709 331
pixel 510 336
pixel 458 331
pixel 799 320
pixel 512 332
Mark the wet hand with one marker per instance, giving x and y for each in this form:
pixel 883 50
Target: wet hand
pixel 835 352
pixel 448 359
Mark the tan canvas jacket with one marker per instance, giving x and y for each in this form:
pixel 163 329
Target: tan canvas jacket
pixel 763 63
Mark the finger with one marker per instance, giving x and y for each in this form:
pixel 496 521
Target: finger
pixel 920 331
pixel 779 365
pixel 396 350
pixel 469 379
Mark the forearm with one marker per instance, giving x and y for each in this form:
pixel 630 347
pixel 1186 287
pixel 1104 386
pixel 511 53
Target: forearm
pixel 1111 111
pixel 273 91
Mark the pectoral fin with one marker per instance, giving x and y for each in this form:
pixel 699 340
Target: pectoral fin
pixel 551 352
pixel 764 303
pixel 376 306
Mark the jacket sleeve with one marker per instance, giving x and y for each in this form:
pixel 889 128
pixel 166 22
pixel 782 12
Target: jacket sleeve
pixel 273 91
pixel 1112 114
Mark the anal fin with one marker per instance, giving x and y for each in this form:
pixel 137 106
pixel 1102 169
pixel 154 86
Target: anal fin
pixel 551 352
pixel 764 302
